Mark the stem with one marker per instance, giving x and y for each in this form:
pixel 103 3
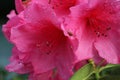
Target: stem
pixel 96 69
pixel 92 62
pixel 97 74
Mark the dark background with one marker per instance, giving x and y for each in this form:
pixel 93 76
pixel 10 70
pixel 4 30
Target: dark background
pixel 5 7
pixel 5 47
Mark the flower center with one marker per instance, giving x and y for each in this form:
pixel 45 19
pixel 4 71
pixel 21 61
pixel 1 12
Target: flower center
pixel 98 27
pixel 61 3
pixel 50 38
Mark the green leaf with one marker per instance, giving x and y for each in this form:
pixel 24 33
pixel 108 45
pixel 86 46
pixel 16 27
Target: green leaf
pixel 110 78
pixel 92 77
pixel 110 72
pixel 109 66
pixel 83 73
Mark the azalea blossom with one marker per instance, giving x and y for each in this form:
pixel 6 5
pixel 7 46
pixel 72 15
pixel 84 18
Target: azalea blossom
pixel 41 48
pixel 96 24
pixel 47 48
pixel 21 4
pixel 19 62
pixel 60 7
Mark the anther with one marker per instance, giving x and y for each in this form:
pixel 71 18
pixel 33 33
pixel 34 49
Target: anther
pixel 105 35
pixel 70 33
pixel 47 44
pixel 98 35
pixel 48 52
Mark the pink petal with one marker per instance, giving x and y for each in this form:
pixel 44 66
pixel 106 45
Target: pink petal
pixel 43 76
pixel 42 62
pixel 12 14
pixel 19 5
pixel 86 45
pixel 40 14
pixel 37 21
pixel 107 50
pixel 18 65
pixel 13 22
pixel 65 60
pixel 61 7
pixel 79 64
pixel 22 4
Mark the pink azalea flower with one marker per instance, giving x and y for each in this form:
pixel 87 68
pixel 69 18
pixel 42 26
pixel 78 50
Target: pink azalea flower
pixel 43 76
pixel 19 62
pixel 49 75
pixel 61 7
pixel 40 44
pixel 12 14
pixel 96 24
pixel 22 4
pixel 19 4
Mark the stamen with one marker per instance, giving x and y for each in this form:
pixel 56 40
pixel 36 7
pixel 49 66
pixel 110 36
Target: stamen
pixel 48 44
pixel 105 36
pixel 48 52
pixel 98 27
pixel 109 28
pixel 98 34
pixel 70 33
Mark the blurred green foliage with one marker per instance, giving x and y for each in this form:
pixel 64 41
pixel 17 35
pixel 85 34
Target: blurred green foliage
pixel 95 72
pixel 5 75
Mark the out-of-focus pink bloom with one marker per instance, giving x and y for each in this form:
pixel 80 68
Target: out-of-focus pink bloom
pixel 22 4
pixel 38 38
pixel 13 22
pixel 43 76
pixel 12 14
pixel 46 48
pixel 49 75
pixel 96 24
pixel 19 62
pixel 61 7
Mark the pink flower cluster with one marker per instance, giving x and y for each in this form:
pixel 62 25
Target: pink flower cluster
pixel 52 37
